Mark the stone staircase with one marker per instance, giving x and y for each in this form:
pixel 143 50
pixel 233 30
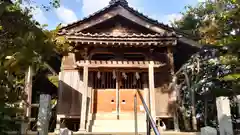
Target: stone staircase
pixel 117 126
pixel 110 123
pixel 139 133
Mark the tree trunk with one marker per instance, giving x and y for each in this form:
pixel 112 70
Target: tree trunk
pixel 185 120
pixel 175 111
pixel 205 112
pixel 193 109
pixel 183 110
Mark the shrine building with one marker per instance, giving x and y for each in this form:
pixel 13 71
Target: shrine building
pixel 119 53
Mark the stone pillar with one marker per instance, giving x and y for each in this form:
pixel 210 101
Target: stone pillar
pixel 152 89
pixel 44 114
pixel 82 126
pixel 224 116
pixel 238 102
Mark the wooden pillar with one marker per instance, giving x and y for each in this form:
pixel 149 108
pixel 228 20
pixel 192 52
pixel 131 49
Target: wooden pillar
pixel 146 98
pixel 28 90
pixel 176 96
pixel 82 126
pixel 152 90
pixel 27 103
pixel 60 89
pixel 117 93
pixel 90 100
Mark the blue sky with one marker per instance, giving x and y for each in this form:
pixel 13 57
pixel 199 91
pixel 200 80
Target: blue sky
pixel 73 10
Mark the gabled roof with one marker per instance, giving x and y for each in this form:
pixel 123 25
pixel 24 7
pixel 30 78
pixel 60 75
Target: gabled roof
pixel 116 3
pixel 116 7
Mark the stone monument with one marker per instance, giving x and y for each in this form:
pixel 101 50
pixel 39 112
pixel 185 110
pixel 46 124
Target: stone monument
pixel 44 114
pixel 224 116
pixel 208 131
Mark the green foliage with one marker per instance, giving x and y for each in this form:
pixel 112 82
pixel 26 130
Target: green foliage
pixel 22 44
pixel 60 42
pixel 217 25
pixel 231 77
pixel 53 80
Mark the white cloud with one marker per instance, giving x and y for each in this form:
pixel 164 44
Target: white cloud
pixel 91 6
pixel 66 15
pixel 168 18
pixel 38 15
pixel 173 17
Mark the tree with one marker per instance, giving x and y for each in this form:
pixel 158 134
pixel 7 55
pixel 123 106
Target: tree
pixel 217 26
pixel 23 42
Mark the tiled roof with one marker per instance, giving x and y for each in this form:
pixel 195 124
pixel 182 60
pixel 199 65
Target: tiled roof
pixel 121 40
pixel 116 3
pixel 134 35
pixel 121 1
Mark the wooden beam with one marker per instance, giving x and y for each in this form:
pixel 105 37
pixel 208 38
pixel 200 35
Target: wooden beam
pixel 118 43
pixel 82 126
pixel 117 64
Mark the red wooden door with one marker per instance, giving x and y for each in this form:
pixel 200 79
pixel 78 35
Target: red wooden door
pixel 126 99
pixel 104 101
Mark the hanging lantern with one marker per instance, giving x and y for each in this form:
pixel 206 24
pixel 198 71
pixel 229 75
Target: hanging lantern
pixel 114 74
pixel 124 75
pixel 137 75
pixel 98 75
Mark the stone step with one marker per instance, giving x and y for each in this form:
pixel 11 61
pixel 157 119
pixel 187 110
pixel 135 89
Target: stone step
pixel 117 122
pixel 113 116
pixel 139 133
pixel 117 126
pixel 122 133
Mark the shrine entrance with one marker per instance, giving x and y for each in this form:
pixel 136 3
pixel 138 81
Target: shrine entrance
pixel 114 92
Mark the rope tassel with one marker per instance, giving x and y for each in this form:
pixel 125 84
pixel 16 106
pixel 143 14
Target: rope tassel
pixel 114 74
pixel 98 75
pixel 137 75
pixel 124 75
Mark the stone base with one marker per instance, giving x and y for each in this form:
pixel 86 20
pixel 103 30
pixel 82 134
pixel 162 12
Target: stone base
pixel 208 131
pixel 82 131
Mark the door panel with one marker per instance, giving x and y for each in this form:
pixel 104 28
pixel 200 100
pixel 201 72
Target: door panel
pixel 126 100
pixel 104 101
